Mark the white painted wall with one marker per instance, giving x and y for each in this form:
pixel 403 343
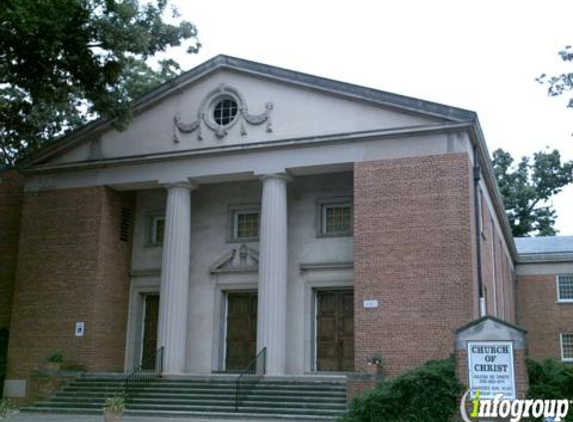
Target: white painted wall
pixel 209 238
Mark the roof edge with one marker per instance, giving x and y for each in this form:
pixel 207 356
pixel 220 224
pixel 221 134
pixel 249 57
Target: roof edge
pixel 220 62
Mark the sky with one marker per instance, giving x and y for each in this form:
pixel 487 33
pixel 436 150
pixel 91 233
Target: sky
pixel 478 55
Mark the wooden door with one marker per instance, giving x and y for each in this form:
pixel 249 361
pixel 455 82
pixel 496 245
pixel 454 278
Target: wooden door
pixel 335 330
pixel 241 330
pixel 149 342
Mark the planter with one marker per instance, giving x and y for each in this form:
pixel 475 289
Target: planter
pixel 373 369
pixel 112 416
pixel 52 366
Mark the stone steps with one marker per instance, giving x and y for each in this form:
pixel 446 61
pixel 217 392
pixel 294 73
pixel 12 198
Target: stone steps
pixel 294 398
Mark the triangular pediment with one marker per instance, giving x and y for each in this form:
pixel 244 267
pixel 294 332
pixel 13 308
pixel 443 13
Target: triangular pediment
pixel 239 259
pixel 267 104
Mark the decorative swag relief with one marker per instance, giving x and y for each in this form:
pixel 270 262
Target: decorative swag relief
pixel 220 110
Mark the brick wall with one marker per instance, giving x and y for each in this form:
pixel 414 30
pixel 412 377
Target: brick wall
pixel 11 185
pixel 413 253
pixel 497 272
pixel 72 267
pixel 541 315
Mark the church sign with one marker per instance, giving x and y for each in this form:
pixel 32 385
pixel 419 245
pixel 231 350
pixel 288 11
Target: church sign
pixel 491 369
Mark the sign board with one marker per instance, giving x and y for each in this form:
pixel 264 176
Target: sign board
pixel 491 368
pixel 80 329
pixel 370 303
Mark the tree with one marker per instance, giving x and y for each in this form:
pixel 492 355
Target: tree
pixel 65 62
pixel 526 188
pixel 559 84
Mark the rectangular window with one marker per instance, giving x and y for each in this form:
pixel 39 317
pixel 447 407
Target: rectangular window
pixel 336 218
pixel 567 347
pixel 244 223
pixel 157 230
pixel 565 288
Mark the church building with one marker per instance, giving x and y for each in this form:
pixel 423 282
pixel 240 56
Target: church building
pixel 247 208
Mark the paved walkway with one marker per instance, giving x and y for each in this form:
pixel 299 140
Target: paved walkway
pixel 29 417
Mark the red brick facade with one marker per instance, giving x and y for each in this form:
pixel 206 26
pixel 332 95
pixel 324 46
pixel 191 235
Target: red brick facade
pixel 11 185
pixel 413 253
pixel 72 267
pixel 542 316
pixel 498 276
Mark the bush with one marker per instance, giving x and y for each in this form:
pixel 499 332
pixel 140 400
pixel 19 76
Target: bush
pixel 429 393
pixel 6 408
pixel 115 404
pixel 55 357
pixel 550 379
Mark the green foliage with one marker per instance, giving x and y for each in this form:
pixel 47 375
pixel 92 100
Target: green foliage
pixel 115 404
pixel 64 62
pixel 429 393
pixel 550 379
pixel 559 84
pixel 55 356
pixel 527 186
pixel 6 408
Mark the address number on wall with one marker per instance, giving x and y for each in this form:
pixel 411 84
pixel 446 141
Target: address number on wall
pixel 370 303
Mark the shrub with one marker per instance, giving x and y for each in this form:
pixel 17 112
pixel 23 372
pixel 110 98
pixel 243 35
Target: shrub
pixel 115 404
pixel 550 379
pixel 56 357
pixel 6 408
pixel 429 393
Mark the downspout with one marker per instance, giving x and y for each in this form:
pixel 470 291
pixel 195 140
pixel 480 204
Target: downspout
pixel 477 178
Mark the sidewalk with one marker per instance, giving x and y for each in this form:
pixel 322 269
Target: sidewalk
pixel 32 417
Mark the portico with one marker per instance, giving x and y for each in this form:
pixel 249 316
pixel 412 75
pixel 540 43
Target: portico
pixel 272 283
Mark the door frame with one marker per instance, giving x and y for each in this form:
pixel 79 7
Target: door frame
pixel 225 316
pixel 220 318
pixel 315 319
pixel 142 334
pixel 140 287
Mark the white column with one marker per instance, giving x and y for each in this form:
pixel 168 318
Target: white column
pixel 271 329
pixel 174 292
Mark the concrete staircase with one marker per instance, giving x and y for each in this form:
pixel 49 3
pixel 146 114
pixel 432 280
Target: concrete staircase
pixel 291 398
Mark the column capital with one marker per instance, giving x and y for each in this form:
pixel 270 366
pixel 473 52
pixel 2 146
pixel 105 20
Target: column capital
pixel 187 184
pixel 280 176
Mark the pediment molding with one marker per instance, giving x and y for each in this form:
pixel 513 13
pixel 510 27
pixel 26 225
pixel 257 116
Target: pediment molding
pixel 205 118
pixel 241 259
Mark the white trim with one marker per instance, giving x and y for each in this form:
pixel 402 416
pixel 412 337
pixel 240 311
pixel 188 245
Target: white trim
pixel 154 222
pixel 559 300
pixel 563 358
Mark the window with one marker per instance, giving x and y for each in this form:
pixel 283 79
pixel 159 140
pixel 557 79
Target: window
pixel 157 230
pixel 125 224
pixel 225 111
pixel 567 347
pixel 244 223
pixel 335 218
pixel 565 288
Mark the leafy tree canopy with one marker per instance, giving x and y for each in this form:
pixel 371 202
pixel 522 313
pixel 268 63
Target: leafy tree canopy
pixel 559 84
pixel 527 186
pixel 64 62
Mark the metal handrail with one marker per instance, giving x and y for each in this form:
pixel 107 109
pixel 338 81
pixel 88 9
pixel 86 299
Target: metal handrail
pixel 139 378
pixel 249 377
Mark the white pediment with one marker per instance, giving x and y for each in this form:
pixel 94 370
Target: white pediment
pixel 240 259
pixel 269 109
